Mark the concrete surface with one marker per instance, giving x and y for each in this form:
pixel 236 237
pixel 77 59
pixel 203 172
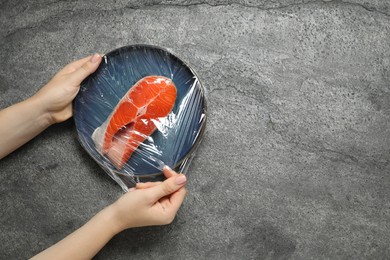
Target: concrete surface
pixel 295 162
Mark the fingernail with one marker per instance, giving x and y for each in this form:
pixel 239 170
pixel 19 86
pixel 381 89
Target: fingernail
pixel 132 189
pixel 181 179
pixel 95 58
pixel 167 167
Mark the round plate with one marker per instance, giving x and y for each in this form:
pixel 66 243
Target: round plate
pixel 119 71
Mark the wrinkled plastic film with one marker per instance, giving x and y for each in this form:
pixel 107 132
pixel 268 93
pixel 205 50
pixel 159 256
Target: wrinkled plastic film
pixel 142 109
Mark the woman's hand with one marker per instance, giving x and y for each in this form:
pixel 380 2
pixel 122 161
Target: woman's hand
pixel 57 95
pixel 150 204
pixel 21 122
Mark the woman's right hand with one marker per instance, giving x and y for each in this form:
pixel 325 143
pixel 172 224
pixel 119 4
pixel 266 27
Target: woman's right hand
pixel 150 204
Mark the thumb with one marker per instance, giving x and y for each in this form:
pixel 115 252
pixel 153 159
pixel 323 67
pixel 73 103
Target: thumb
pixel 86 69
pixel 168 187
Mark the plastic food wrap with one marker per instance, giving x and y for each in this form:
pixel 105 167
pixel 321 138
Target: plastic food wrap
pixel 142 109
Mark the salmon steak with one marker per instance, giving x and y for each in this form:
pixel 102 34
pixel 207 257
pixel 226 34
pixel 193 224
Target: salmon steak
pixel 133 120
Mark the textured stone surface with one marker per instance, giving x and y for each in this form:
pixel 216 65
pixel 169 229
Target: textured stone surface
pixel 295 162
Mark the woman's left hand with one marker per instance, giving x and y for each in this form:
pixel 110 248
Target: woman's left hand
pixel 57 95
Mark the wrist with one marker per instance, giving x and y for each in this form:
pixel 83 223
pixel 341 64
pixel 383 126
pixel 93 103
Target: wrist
pixel 114 223
pixel 43 115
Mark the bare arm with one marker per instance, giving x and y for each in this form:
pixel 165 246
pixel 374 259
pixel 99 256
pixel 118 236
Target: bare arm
pixel 85 242
pixel 20 123
pixel 150 204
pixel 52 104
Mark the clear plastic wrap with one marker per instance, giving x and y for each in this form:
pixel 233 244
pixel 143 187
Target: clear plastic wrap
pixel 142 109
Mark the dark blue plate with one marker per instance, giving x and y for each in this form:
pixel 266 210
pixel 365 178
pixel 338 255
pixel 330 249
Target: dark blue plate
pixel 118 72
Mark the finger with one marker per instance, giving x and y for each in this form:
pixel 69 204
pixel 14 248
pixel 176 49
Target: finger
pixel 168 172
pixel 146 185
pixel 73 66
pixel 86 69
pixel 177 199
pixel 168 187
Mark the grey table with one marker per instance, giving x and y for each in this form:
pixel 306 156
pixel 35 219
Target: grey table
pixel 295 160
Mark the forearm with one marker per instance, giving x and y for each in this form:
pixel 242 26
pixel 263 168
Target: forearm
pixel 85 242
pixel 20 123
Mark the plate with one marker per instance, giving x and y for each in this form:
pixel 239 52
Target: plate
pixel 183 128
